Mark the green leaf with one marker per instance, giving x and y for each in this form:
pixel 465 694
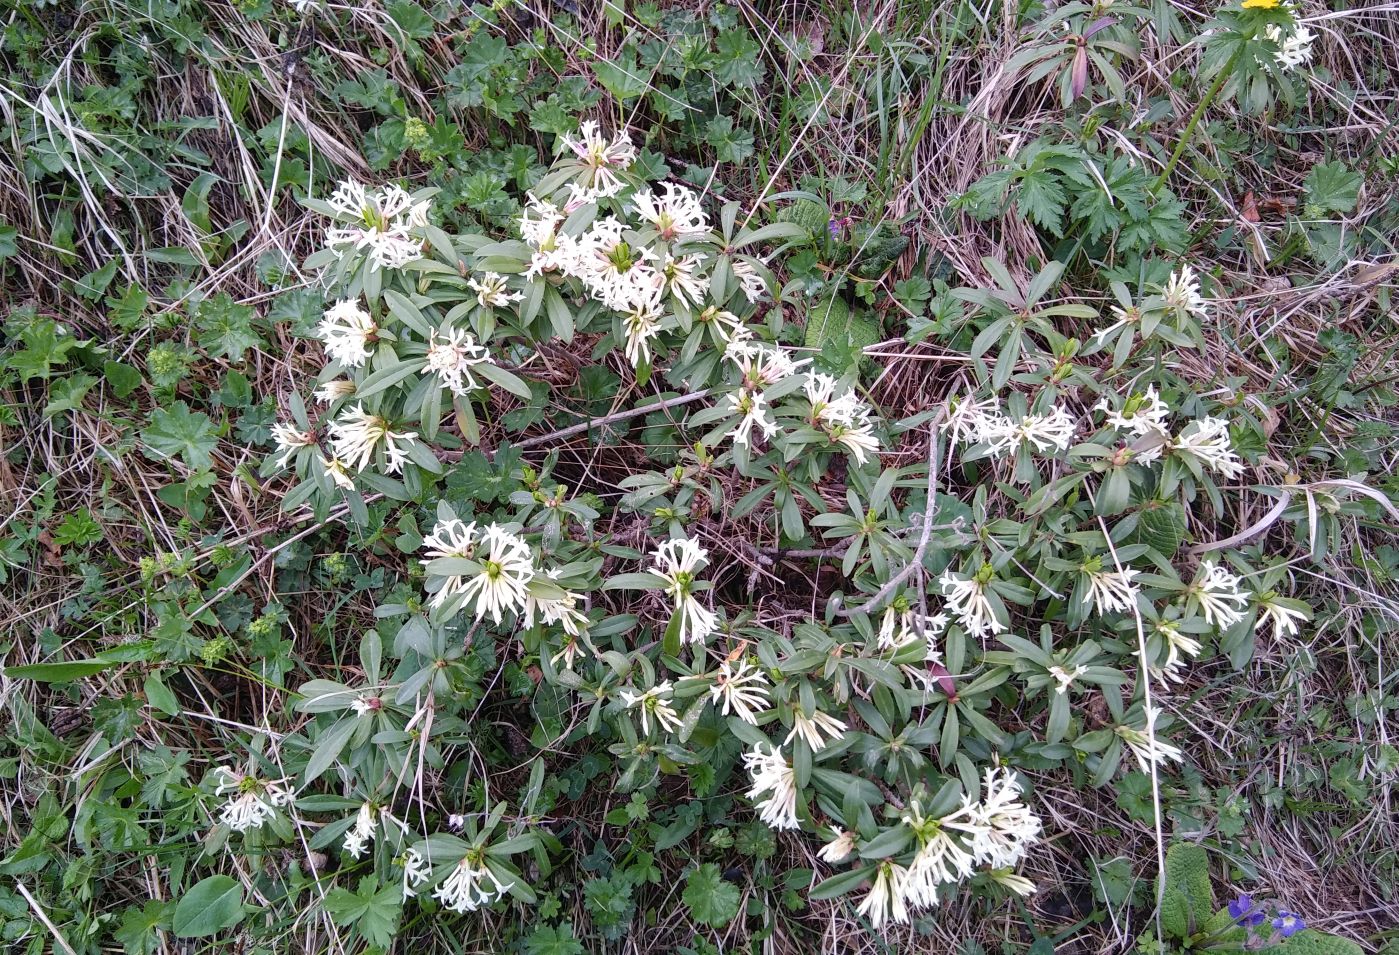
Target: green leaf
pixel 1331 187
pixel 57 672
pixel 212 905
pixel 1188 897
pixel 123 378
pixel 224 328
pixel 711 900
pixel 1162 527
pixel 730 144
pixel 179 431
pixel 373 911
pixel 161 696
pixel 1312 942
pixel 622 79
pixel 558 940
pixel 511 383
pixel 838 885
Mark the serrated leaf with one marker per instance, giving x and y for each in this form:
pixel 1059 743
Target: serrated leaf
pixel 711 900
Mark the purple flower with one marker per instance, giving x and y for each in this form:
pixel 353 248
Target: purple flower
pixel 1288 923
pixel 1241 910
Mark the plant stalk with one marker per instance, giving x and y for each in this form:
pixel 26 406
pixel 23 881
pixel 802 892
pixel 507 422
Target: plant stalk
pixel 1195 117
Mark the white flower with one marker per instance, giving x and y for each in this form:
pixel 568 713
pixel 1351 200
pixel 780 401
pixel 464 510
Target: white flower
pixel 1144 744
pixel 290 440
pixel 675 215
pixel 601 159
pixel 568 651
pixel 840 848
pixel 899 628
pixel 416 871
pixel 676 562
pixel 940 859
pixel 1283 618
pixel 810 729
pixel 1008 826
pixel 540 222
pixel 1219 595
pixel 680 278
pixel 967 601
pixel 466 889
pixel 1207 441
pixel 967 418
pixel 826 408
pixel 451 538
pixel 844 417
pixel 887 899
pixel 382 222
pixel 252 802
pixel 752 406
pixel 762 365
pixel 335 389
pixel 451 356
pixel 753 285
pixel 347 331
pixel 335 469
pixel 615 273
pixel 1065 678
pixel 742 690
pixel 556 610
pixel 857 438
pixel 507 567
pixel 1124 317
pixel 726 325
pixel 1294 49
pixel 492 291
pixel 654 702
pixel 355 435
pixel 1015 883
pixel 1182 292
pixel 358 836
pixel 642 322
pixel 773 775
pixel 1141 414
pixel 1038 431
pixel 1110 591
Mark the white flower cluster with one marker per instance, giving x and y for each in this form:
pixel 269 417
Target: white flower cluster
pixel 969 601
pixel 451 355
pixel 1294 46
pixel 504 567
pixel 252 802
pixel 677 562
pixel 601 159
pixel 997 832
pixel 774 787
pixel 1149 748
pixel 743 690
pixel 470 885
pixel 654 704
pixel 845 419
pixel 380 221
pixel 984 422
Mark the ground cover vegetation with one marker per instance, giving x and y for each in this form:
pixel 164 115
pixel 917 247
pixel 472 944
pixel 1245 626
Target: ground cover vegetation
pixel 698 477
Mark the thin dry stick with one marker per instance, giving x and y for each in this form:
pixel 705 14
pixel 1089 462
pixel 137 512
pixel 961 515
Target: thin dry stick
pixel 1150 732
pixel 916 563
pixel 43 917
pixel 584 426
